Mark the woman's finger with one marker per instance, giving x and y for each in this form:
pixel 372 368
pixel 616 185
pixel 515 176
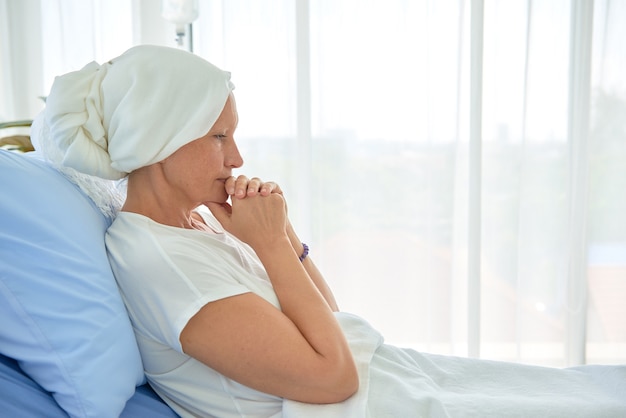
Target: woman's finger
pixel 254 186
pixel 229 185
pixel 269 188
pixel 241 186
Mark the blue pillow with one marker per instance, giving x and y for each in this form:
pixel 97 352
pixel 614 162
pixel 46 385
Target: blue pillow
pixel 62 317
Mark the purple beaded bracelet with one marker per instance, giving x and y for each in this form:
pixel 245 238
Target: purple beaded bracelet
pixel 305 252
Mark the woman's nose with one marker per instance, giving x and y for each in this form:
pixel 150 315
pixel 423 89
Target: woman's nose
pixel 235 160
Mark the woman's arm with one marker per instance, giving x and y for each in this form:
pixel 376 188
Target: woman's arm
pixel 298 352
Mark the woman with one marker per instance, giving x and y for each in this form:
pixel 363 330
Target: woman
pixel 230 313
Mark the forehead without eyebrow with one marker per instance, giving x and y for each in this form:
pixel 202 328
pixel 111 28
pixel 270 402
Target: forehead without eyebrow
pixel 229 118
pixel 223 127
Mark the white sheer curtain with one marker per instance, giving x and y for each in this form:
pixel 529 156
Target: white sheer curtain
pixel 75 32
pixel 20 59
pixel 376 117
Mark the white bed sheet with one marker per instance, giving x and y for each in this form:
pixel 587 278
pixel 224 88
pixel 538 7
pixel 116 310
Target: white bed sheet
pixel 404 383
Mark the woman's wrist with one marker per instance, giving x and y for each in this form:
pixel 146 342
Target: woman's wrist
pixel 293 238
pixel 299 247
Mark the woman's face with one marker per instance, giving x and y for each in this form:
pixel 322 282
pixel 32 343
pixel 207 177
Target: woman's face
pixel 197 171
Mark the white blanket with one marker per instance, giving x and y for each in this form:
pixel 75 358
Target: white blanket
pixel 403 383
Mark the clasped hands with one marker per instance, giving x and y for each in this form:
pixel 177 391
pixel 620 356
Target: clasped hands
pixel 257 213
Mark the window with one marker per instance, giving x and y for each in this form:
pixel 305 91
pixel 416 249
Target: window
pixel 361 110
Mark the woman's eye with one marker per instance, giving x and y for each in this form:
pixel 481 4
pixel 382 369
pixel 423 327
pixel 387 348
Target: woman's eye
pixel 219 136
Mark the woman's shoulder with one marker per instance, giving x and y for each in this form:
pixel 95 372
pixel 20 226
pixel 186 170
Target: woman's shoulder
pixel 137 233
pixel 135 236
pixel 135 223
pixel 129 220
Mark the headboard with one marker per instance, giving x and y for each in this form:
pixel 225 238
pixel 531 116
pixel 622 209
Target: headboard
pixel 16 142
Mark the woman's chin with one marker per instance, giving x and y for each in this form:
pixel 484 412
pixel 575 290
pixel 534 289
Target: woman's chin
pixel 219 197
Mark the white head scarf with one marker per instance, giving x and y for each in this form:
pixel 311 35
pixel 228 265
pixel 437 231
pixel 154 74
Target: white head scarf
pixel 136 110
